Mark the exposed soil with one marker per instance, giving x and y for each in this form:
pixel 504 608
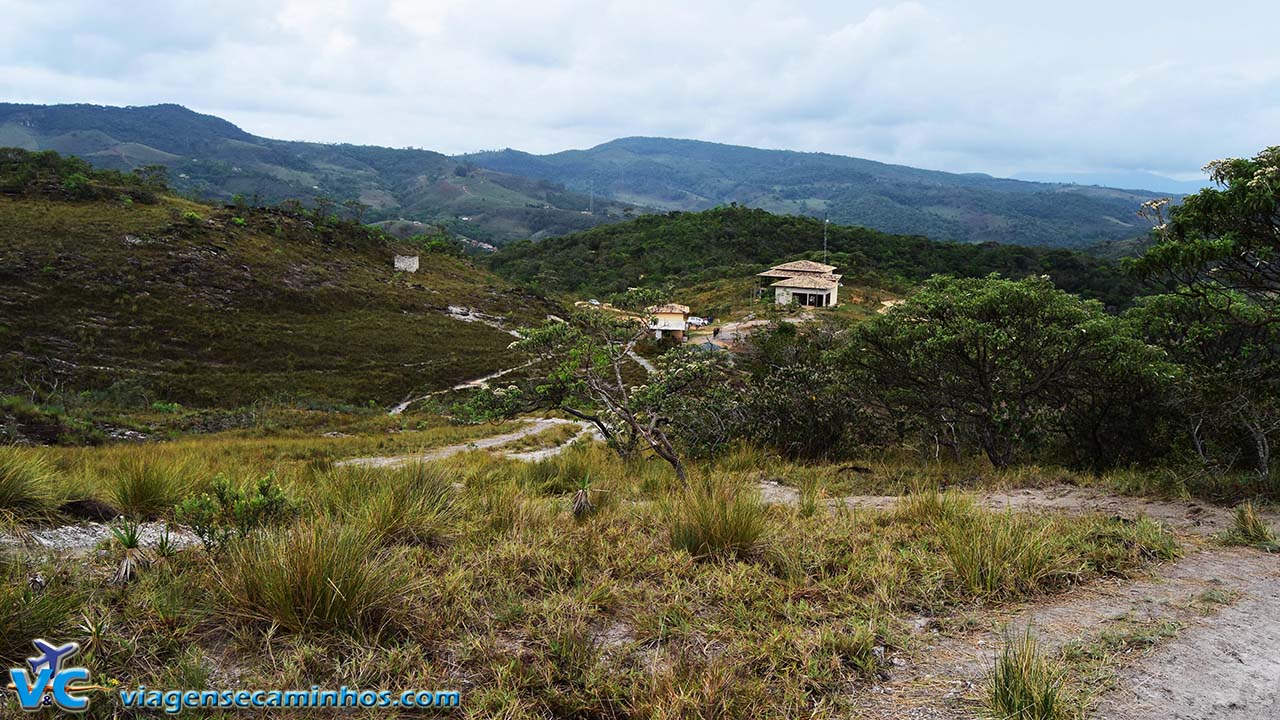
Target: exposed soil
pixel 490 443
pixel 1224 663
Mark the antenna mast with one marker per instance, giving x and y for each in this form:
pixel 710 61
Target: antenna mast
pixel 825 221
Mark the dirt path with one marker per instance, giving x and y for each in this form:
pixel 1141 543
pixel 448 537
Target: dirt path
pixel 648 366
pixel 1189 517
pixel 529 428
pixel 468 385
pixel 1223 664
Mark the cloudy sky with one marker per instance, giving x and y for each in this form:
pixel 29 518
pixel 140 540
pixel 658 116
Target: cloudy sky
pixel 998 86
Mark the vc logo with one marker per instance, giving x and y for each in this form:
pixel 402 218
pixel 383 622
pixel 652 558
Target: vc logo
pixel 49 683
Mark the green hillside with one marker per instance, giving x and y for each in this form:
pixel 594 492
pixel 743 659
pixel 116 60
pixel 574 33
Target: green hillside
pixel 687 247
pixel 208 157
pixel 129 292
pixel 693 175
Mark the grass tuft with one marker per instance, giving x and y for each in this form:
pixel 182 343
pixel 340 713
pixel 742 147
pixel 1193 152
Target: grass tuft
pixel 717 518
pixel 411 505
pixel 319 576
pixel 26 483
pixel 1002 555
pixel 1249 529
pixel 1026 685
pixel 148 487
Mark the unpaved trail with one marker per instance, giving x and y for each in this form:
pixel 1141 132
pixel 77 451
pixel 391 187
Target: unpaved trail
pixel 1224 663
pixel 1190 517
pixel 468 385
pixel 642 362
pixel 529 428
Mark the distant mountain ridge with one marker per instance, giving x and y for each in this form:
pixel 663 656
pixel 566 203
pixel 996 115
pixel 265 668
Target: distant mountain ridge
pixel 498 197
pixel 674 174
pixel 212 158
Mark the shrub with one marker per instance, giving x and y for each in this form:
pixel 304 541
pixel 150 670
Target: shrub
pixel 191 217
pixel 231 512
pixel 716 518
pixel 149 487
pixel 321 576
pixel 1025 685
pixel 26 483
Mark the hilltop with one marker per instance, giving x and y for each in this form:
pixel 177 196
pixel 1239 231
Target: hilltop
pixel 211 158
pixel 674 174
pixel 688 247
pixel 132 292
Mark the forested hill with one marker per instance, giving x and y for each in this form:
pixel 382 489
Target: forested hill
pixel 693 175
pixel 210 158
pixel 685 247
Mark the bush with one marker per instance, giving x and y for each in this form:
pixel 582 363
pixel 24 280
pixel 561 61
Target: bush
pixel 1025 685
pixel 715 518
pixel 321 576
pixel 231 512
pixel 191 217
pixel 26 483
pixel 144 487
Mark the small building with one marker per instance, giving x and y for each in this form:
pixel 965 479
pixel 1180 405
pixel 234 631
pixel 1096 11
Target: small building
pixel 803 282
pixel 671 319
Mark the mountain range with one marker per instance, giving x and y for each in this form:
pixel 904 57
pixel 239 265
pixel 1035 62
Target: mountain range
pixel 501 196
pixel 672 174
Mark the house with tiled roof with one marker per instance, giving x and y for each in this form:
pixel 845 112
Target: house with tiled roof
pixel 803 282
pixel 670 319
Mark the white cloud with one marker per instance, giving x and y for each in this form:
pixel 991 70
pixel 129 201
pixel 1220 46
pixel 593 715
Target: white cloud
pixel 997 86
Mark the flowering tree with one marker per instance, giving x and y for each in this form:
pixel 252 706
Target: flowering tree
pixel 1222 245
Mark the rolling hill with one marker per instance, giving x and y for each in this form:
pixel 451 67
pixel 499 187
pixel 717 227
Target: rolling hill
pixel 210 158
pixel 693 175
pixel 128 293
pixel 684 248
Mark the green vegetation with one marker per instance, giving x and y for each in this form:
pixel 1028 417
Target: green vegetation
pixel 26 484
pixel 735 242
pixel 232 512
pixel 692 175
pixel 717 518
pixel 318 576
pixel 1026 685
pixel 149 487
pixel 1249 529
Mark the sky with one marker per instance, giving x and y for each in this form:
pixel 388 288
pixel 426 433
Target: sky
pixel 1001 87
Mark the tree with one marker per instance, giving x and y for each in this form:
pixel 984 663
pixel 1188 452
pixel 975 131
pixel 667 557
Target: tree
pixel 1232 378
pixel 591 361
pixel 1222 244
pixel 357 209
pixel 1003 361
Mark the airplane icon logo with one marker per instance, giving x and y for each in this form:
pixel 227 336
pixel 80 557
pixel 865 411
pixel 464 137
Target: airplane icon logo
pixel 51 656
